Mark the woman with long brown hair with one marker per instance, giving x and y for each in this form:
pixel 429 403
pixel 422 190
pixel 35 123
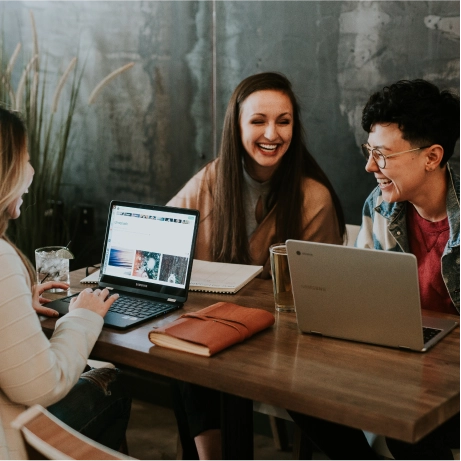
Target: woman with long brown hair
pixel 265 187
pixel 33 369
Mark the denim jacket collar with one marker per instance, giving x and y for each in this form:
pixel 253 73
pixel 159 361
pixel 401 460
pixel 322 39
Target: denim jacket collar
pixel 395 212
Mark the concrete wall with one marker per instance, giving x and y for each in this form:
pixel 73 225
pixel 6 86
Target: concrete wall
pixel 153 127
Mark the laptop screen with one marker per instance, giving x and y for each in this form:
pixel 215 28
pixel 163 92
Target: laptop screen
pixel 149 249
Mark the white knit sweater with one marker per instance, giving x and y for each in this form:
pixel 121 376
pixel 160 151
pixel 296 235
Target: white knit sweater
pixel 34 369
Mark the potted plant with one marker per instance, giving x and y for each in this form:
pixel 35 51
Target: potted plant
pixel 44 220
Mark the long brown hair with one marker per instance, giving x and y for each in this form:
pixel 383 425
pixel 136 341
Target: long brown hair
pixel 229 242
pixel 13 162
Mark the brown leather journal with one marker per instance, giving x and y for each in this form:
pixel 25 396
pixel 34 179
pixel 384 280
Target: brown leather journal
pixel 212 329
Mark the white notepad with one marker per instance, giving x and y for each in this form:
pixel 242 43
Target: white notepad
pixel 92 278
pixel 221 277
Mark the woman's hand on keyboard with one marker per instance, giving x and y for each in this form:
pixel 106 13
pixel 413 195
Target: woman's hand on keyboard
pixel 97 301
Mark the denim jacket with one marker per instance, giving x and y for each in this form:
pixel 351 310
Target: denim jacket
pixel 384 227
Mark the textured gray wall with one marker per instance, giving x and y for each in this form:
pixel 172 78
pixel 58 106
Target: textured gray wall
pixel 153 127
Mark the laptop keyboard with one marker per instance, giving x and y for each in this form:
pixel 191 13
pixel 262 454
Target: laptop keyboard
pixel 140 308
pixel 429 333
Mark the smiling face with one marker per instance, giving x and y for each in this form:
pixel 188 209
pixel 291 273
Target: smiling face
pixel 14 209
pixel 404 176
pixel 266 129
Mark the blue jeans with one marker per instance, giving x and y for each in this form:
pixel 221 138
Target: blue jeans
pixel 97 407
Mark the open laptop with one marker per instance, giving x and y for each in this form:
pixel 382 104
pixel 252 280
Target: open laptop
pixel 362 295
pixel 147 259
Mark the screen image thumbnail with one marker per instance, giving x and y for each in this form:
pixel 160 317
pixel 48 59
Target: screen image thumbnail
pixel 174 269
pixel 146 264
pixel 120 257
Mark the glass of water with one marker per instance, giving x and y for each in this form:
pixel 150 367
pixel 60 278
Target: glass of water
pixel 52 264
pixel 281 279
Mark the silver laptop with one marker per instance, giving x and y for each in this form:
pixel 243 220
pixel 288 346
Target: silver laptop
pixel 364 295
pixel 147 259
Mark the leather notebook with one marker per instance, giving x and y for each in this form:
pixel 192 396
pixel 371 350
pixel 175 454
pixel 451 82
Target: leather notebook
pixel 212 329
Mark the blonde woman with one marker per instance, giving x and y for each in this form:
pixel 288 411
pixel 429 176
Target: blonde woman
pixel 33 369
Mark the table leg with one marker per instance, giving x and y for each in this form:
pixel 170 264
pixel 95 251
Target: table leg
pixel 237 427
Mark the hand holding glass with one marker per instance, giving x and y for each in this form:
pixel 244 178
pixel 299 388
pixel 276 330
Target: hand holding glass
pixel 52 264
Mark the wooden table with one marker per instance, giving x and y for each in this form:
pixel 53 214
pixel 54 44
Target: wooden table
pixel 399 394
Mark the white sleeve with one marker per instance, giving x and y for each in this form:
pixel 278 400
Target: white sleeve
pixel 32 368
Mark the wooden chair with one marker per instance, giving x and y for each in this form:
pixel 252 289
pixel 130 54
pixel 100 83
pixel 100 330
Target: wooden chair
pixel 46 437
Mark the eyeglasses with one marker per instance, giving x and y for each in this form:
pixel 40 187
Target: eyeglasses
pixel 380 158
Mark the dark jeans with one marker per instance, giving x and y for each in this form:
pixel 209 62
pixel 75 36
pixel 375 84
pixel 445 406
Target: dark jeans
pixel 436 445
pixel 97 407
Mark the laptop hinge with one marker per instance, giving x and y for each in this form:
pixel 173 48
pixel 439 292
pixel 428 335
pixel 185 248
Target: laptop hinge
pixel 171 300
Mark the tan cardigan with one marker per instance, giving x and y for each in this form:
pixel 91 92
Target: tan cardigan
pixel 34 369
pixel 319 217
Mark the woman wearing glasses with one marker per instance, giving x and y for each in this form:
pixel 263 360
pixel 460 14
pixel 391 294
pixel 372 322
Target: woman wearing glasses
pixel 412 131
pixel 33 369
pixel 264 188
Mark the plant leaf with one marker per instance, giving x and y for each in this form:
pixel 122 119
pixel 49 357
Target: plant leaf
pixel 106 80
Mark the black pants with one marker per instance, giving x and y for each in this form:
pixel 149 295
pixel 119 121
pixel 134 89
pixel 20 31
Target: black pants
pixel 436 445
pixel 335 440
pixel 197 409
pixel 343 442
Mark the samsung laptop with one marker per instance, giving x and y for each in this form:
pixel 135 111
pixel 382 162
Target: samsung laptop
pixel 362 295
pixel 147 259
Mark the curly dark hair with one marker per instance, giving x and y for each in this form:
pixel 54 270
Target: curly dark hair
pixel 424 114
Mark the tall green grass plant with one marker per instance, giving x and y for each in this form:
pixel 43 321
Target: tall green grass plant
pixel 44 219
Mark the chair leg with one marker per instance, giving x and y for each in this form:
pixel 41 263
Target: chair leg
pixel 279 433
pixel 302 446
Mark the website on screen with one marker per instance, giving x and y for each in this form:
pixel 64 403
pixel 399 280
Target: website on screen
pixel 148 245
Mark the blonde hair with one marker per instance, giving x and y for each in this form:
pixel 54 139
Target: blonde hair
pixel 13 172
